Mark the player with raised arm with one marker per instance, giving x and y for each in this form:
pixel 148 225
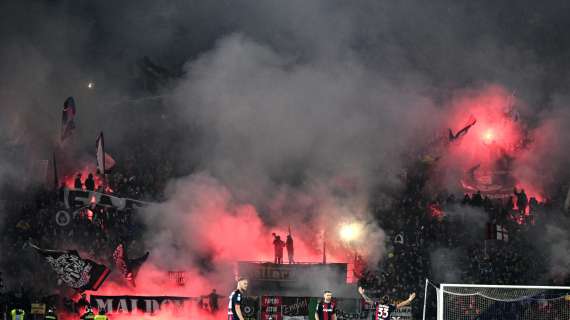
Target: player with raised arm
pixel 383 307
pixel 236 298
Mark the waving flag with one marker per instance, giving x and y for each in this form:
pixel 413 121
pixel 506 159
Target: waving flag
pixel 77 273
pixel 470 123
pixel 67 117
pixel 128 267
pixel 104 161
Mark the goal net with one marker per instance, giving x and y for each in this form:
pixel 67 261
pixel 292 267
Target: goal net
pixel 497 302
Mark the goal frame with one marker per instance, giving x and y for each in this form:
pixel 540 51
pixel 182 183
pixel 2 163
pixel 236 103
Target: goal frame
pixel 443 286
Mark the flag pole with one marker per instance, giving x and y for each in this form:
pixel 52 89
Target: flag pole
pixel 55 177
pixel 324 248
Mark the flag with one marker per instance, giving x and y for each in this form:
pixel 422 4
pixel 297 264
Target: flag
pixel 104 161
pixel 67 117
pixel 128 267
pixel 77 273
pixel 100 144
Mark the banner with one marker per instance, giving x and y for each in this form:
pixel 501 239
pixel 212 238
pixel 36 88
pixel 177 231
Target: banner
pixel 293 307
pixel 75 272
pixel 139 304
pixel 78 198
pixel 293 273
pixel 271 308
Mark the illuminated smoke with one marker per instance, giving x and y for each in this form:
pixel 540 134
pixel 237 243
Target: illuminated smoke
pixel 306 92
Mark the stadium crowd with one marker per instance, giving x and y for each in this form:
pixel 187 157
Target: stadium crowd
pixel 427 238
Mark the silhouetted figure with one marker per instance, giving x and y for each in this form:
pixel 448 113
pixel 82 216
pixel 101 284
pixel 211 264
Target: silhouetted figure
pixel 278 244
pixel 90 183
pixel 290 249
pixel 532 204
pixel 477 199
pixel 466 199
pixel 522 200
pixel 213 301
pixel 78 183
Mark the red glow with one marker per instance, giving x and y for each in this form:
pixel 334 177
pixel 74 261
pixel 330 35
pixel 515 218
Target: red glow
pixel 232 236
pixel 488 136
pixel 494 131
pixel 85 171
pixel 214 231
pixel 531 192
pixel 436 211
pixel 488 153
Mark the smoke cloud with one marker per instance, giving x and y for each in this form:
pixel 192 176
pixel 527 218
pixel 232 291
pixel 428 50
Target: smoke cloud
pixel 559 250
pixel 279 113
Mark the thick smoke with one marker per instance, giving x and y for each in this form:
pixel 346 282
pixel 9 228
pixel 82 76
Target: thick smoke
pixel 298 109
pixel 205 227
pixel 270 120
pixel 545 162
pixel 559 260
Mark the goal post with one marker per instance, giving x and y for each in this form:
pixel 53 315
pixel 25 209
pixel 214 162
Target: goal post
pixel 469 301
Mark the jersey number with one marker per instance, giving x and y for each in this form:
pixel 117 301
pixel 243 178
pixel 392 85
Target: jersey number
pixel 383 313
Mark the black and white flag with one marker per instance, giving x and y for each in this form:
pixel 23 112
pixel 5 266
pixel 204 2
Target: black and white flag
pixel 104 161
pixel 75 272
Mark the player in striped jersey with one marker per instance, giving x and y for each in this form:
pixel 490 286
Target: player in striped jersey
pixel 236 299
pixel 383 307
pixel 326 308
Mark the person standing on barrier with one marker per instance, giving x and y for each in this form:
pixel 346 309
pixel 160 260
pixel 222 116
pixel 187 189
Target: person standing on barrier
pixel 278 245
